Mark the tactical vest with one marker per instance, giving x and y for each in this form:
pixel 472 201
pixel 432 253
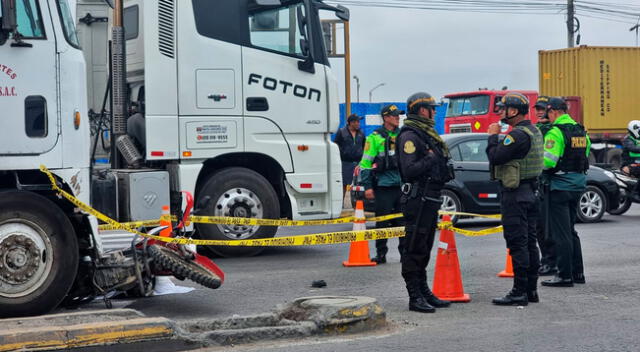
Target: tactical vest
pixel 528 168
pixel 575 157
pixel 389 160
pixel 631 157
pixel 442 170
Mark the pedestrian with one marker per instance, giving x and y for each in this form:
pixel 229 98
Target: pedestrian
pixel 425 167
pixel 566 151
pixel 379 173
pixel 547 250
pixel 631 150
pixel 517 163
pixel 350 141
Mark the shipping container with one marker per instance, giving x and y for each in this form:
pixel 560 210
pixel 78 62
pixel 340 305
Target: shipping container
pixel 606 80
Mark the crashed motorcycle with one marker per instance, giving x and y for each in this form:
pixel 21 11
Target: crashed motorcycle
pixel 629 192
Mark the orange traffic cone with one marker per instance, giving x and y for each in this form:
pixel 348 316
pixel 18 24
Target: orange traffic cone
pixel 447 280
pixel 359 251
pixel 165 220
pixel 508 267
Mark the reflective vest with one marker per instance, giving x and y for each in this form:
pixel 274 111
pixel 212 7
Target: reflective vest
pixel 629 157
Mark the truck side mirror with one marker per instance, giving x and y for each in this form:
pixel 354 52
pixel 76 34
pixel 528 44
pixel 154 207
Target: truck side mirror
pixel 8 20
pixel 303 25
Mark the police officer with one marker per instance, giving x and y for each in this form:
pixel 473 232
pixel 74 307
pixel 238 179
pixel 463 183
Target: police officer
pixel 379 173
pixel 566 150
pixel 350 141
pixel 547 251
pixel 517 163
pixel 424 168
pixel 631 150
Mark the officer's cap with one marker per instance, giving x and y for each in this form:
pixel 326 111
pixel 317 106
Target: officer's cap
pixel 542 102
pixel 391 110
pixel 556 103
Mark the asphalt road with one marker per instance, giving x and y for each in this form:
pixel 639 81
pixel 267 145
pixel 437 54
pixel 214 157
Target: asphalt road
pixel 603 315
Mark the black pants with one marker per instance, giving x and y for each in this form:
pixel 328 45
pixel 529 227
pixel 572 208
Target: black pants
pixel 415 246
pixel 520 215
pixel 545 242
pixel 387 202
pixel 563 207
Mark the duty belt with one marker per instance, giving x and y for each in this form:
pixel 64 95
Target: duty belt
pixel 412 189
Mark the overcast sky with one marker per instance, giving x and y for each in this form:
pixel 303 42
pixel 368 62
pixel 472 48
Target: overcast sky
pixel 443 51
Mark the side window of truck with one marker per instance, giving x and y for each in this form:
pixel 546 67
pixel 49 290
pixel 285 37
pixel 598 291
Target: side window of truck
pixel 35 115
pixel 29 20
pixel 276 30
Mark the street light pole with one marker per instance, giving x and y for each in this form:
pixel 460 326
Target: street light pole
pixel 357 87
pixel 374 88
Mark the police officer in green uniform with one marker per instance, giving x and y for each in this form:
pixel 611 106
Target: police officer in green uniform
pixel 566 151
pixel 379 173
pixel 631 150
pixel 547 251
pixel 517 163
pixel 424 167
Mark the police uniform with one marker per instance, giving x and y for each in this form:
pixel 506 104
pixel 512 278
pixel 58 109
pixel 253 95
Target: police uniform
pixel 547 248
pixel 566 150
pixel 424 168
pixel 379 171
pixel 517 163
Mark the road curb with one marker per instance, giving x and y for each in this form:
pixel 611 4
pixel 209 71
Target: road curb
pixel 77 330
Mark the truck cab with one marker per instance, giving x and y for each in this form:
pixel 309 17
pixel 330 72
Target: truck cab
pixel 475 111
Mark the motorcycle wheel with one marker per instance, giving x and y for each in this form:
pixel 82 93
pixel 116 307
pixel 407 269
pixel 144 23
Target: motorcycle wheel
pixel 172 261
pixel 625 204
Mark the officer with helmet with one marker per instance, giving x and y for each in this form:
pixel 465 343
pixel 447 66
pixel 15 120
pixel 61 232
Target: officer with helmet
pixel 631 150
pixel 566 151
pixel 424 165
pixel 517 163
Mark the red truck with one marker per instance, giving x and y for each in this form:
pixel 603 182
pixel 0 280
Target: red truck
pixel 475 111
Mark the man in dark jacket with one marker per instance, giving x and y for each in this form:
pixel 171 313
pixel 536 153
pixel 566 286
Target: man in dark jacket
pixel 350 140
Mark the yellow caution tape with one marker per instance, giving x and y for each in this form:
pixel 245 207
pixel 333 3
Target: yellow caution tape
pixel 302 240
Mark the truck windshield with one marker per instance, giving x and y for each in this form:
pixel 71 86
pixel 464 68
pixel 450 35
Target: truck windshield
pixel 463 106
pixel 68 24
pixel 277 29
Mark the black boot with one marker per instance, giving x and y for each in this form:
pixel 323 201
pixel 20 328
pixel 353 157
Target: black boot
pixel 579 279
pixel 417 302
pixel 380 259
pixel 431 298
pixel 532 296
pixel 513 298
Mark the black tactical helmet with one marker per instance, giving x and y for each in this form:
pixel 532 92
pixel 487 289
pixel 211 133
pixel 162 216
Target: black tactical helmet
pixel 419 100
pixel 542 102
pixel 515 100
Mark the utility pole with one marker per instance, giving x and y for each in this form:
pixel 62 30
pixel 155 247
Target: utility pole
pixel 571 11
pixel 635 28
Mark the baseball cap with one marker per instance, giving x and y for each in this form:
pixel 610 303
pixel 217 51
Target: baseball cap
pixel 556 103
pixel 542 102
pixel 391 110
pixel 353 117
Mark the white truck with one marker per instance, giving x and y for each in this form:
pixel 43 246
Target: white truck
pixel 231 99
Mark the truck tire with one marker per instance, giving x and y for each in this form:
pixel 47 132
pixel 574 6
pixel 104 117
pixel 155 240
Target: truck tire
pixel 592 205
pixel 238 192
pixel 38 254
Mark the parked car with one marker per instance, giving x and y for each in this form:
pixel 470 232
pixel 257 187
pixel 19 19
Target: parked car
pixel 472 191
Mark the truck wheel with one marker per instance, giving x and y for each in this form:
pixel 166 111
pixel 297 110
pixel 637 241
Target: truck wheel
pixel 238 192
pixel 592 205
pixel 38 254
pixel 451 202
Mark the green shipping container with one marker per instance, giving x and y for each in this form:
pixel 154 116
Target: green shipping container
pixel 607 79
